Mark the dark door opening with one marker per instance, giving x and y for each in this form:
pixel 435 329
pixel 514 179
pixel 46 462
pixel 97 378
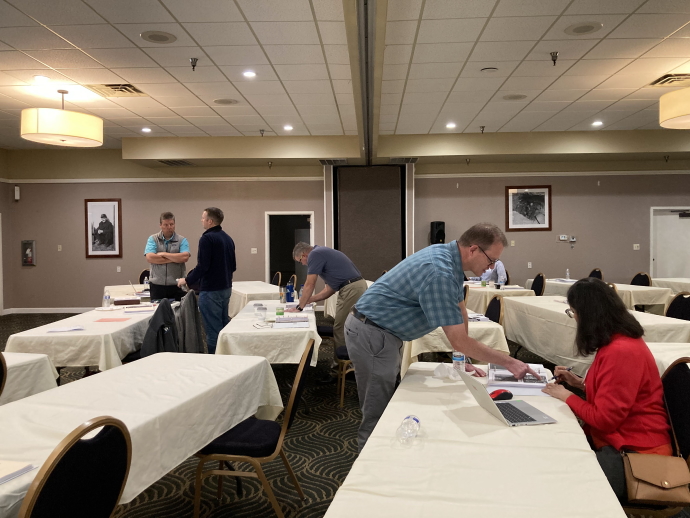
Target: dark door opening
pixel 285 231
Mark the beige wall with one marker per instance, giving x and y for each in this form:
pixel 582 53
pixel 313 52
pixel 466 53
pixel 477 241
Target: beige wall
pixel 607 214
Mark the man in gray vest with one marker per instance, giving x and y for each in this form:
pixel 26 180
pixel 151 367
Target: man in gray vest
pixel 167 252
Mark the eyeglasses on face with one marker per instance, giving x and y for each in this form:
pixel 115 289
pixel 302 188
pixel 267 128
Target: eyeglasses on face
pixel 570 313
pixel 491 261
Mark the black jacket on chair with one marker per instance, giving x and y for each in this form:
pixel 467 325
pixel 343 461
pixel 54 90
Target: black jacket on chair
pixel 161 336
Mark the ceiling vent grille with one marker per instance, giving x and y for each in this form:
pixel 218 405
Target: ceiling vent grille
pixel 403 160
pixel 672 80
pixel 176 163
pixel 124 90
pixel 334 161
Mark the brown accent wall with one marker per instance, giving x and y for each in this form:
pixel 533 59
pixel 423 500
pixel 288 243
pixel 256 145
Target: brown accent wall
pixel 607 214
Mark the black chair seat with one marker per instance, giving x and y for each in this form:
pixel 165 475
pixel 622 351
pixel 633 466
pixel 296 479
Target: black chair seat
pixel 324 330
pixel 341 353
pixel 252 438
pixel 136 355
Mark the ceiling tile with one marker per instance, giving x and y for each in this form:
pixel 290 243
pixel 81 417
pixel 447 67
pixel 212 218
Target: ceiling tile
pixel 428 108
pixel 134 30
pixel 477 96
pixel 333 33
pixel 404 9
pixel 93 36
pixel 345 100
pixel 632 104
pixel 563 121
pixel 441 52
pixel 309 87
pixel 651 92
pixel 58 12
pixel 526 83
pixel 392 87
pixel 474 68
pixel 682 69
pixel 577 82
pixel 543 106
pixel 342 86
pixel 339 71
pixel 165 89
pixel 337 54
pixel 144 75
pixel 64 58
pixel 236 55
pixel 607 94
pixel 325 129
pixel 111 113
pixel 621 48
pixel 221 131
pixel 93 76
pixel 530 7
pixel 501 50
pixel 213 89
pixel 199 75
pixel 390 72
pixel 26 38
pixel 515 29
pixel 386 126
pixel 286 33
pixel 276 111
pixel 542 68
pixel 180 101
pixel 11 17
pixel 503 108
pixel 122 58
pixel 395 98
pixel 429 85
pixel 18 77
pixel 450 31
pixel 294 54
pixel 627 81
pixel 424 97
pixel 131 11
pixel 665 6
pixel 11 80
pixel 652 67
pixel 596 67
pixel 263 73
pixel 397 54
pixel 434 70
pixel 186 131
pixel 261 87
pixel 265 100
pixel 648 26
pixel 400 33
pixel 328 10
pixel 302 72
pixel 587 106
pixel 670 48
pixel 223 33
pixel 607 7
pixel 557 32
pixel 4 47
pixel 178 56
pixel 388 119
pixel 206 11
pixel 276 10
pixel 561 95
pixel 568 50
pixel 207 121
pixel 317 119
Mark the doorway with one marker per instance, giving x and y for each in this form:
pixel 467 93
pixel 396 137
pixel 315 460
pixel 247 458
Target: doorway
pixel 670 242
pixel 283 231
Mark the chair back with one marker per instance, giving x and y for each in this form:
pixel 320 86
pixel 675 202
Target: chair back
pixel 596 273
pixel 507 277
pixel 297 387
pixel 612 286
pixel 143 275
pixel 465 276
pixel 641 279
pixel 679 306
pixel 3 372
pixel 465 292
pixel 494 311
pixel 293 279
pixel 86 474
pixel 276 278
pixel 676 381
pixel 538 284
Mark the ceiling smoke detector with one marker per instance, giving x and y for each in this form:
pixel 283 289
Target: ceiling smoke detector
pixel 225 102
pixel 583 28
pixel 514 97
pixel 159 37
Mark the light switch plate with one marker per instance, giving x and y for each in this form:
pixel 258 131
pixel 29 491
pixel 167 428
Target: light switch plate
pixel 636 247
pixel 563 237
pixel 119 269
pixel 255 251
pixel 529 265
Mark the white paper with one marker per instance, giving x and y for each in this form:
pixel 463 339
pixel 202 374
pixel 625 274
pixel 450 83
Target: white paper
pixel 283 319
pixel 500 377
pixel 10 470
pixel 65 329
pixel 290 325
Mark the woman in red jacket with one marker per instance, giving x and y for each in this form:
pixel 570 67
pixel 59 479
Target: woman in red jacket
pixel 624 410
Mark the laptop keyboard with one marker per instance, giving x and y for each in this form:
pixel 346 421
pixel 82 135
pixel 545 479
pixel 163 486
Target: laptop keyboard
pixel 513 415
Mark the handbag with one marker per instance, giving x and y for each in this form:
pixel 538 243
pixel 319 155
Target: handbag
pixel 657 479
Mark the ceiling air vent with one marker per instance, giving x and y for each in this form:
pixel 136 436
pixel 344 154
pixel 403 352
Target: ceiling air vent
pixel 176 163
pixel 403 160
pixel 672 80
pixel 125 90
pixel 334 161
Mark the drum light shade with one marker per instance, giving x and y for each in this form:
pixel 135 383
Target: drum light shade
pixel 61 127
pixel 674 109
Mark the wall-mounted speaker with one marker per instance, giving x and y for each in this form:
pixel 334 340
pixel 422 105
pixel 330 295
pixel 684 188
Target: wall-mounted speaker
pixel 438 232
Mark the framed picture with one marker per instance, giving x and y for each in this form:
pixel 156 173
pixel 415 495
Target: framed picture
pixel 103 220
pixel 528 208
pixel 29 253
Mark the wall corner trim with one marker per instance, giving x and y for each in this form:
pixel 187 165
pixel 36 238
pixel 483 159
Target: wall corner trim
pixel 168 180
pixel 418 176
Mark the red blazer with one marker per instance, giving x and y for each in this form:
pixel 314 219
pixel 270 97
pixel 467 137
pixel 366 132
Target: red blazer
pixel 625 399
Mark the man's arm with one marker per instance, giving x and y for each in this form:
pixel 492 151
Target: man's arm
pixel 157 258
pixel 465 317
pixel 179 257
pixel 323 294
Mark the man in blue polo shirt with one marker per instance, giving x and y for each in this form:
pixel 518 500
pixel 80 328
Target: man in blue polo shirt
pixel 422 293
pixel 167 252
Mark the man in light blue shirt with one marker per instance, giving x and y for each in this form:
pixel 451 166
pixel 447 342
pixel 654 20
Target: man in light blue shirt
pixel 495 273
pixel 167 252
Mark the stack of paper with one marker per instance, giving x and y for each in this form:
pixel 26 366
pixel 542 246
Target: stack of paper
pixel 284 319
pixel 65 329
pixel 502 378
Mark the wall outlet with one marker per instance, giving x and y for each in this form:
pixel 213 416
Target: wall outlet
pixel 529 265
pixel 636 247
pixel 255 251
pixel 562 237
pixel 573 239
pixel 512 243
pixel 59 248
pixel 119 269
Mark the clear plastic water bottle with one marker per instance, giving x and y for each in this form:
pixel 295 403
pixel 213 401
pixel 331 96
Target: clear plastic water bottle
pixel 147 284
pixel 567 274
pixel 408 429
pixel 106 299
pixel 459 361
pixel 301 291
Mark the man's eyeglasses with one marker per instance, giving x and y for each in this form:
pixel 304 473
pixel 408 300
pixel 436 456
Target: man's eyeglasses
pixel 491 261
pixel 570 313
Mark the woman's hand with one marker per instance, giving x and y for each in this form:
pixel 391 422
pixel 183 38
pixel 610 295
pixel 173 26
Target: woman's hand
pixel 562 374
pixel 557 391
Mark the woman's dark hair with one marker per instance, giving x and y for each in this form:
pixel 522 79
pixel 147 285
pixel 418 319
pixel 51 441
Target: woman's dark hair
pixel 600 315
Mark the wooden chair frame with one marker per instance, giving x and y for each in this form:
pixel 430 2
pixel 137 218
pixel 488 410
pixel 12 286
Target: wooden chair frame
pixel 59 452
pixel 345 367
pixel 543 285
pixel 255 461
pixel 3 370
pixel 612 286
pixel 293 278
pixel 679 294
pixel 280 277
pixel 500 315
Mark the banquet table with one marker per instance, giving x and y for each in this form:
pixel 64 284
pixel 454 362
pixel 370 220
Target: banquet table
pixel 665 354
pixel 676 285
pixel 467 463
pixel 173 404
pixel 242 337
pixel 541 325
pixel 331 302
pixel 100 343
pixel 479 297
pixel 27 374
pixel 246 291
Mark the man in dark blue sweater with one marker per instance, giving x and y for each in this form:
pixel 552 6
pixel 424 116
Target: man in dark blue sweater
pixel 215 264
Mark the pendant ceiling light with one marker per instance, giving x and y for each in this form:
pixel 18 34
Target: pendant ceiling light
pixel 61 127
pixel 674 109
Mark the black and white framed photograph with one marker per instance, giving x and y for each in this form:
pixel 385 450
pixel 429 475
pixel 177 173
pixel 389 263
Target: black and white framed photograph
pixel 528 208
pixel 103 228
pixel 29 253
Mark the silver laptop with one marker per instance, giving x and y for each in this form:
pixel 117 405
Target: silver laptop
pixel 512 413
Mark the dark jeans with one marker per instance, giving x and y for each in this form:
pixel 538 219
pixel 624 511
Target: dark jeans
pixel 160 291
pixel 214 312
pixel 611 463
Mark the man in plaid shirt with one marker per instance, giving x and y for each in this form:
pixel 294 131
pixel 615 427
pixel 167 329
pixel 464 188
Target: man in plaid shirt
pixel 422 293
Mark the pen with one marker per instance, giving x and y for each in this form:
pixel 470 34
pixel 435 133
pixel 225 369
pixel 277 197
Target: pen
pixel 568 369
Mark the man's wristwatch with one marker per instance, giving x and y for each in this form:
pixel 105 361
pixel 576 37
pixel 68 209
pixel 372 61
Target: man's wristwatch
pixel 299 308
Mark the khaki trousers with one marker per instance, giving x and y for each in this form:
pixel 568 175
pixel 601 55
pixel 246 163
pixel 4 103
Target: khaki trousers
pixel 347 297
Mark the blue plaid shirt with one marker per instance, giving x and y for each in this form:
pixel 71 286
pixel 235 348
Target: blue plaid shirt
pixel 420 294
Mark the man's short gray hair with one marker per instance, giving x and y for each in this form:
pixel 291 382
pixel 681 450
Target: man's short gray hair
pixel 301 248
pixel 483 235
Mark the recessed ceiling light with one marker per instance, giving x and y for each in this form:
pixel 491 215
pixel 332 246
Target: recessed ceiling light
pixel 489 70
pixel 41 80
pixel 514 97
pixel 450 125
pixel 158 37
pixel 146 130
pixel 583 28
pixel 249 73
pixel 597 123
pixel 287 127
pixel 225 102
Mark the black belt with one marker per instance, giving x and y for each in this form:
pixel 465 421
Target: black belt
pixel 354 279
pixel 364 318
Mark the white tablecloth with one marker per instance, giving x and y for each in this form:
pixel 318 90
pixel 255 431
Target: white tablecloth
pixel 478 298
pixel 172 403
pixel 330 303
pixel 467 464
pixel 674 284
pixel 541 325
pixel 245 291
pixel 27 374
pixel 277 345
pixel 665 354
pixel 554 287
pixel 123 290
pixel 100 343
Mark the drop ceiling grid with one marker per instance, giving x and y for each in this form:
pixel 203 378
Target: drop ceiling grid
pixel 608 61
pixel 158 14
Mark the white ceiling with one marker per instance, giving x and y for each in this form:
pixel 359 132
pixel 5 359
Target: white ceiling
pixel 297 48
pixel 435 50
